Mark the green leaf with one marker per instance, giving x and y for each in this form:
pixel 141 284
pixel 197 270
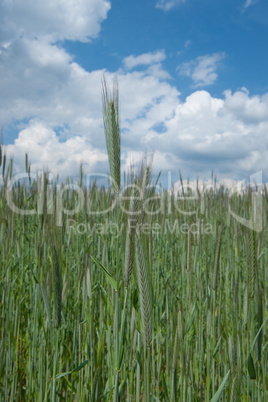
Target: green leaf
pixel 73 371
pixel 256 337
pixel 109 277
pixel 62 375
pixel 80 367
pixel 216 397
pixel 251 368
pixel 165 385
pixel 217 347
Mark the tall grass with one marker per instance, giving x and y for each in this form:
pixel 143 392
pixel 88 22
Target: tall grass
pixel 162 311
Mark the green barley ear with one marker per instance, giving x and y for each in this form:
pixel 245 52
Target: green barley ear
pixel 146 177
pixel 27 167
pixel 112 131
pixel 144 291
pixel 129 248
pixel 26 162
pixel 130 239
pixel 81 175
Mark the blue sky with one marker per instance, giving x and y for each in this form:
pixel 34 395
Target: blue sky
pixel 192 77
pixel 185 32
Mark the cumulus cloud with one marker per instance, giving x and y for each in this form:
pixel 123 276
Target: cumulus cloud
pixel 203 69
pixel 40 82
pixel 52 20
pixel 202 133
pixel 47 84
pixel 167 5
pixel 208 133
pixel 38 78
pixel 46 151
pixel 251 109
pixel 48 87
pixel 144 59
pixel 56 104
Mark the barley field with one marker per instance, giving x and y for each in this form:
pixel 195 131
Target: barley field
pixel 131 292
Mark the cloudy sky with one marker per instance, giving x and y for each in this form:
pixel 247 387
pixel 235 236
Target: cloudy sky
pixel 192 76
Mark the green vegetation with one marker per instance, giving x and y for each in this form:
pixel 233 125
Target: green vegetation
pixel 146 301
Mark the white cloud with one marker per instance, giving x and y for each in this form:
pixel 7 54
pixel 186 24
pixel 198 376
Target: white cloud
pixel 53 20
pixel 144 59
pixel 200 134
pixel 207 133
pixel 44 55
pixel 188 43
pixel 167 5
pixel 196 136
pixel 40 83
pixel 248 3
pixel 42 89
pixel 38 79
pixel 56 106
pixel 37 76
pixel 250 109
pixel 202 70
pixel 46 151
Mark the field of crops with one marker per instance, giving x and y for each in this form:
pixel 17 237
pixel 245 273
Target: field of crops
pixel 130 292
